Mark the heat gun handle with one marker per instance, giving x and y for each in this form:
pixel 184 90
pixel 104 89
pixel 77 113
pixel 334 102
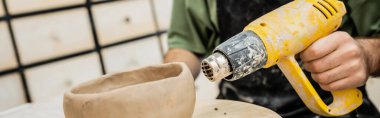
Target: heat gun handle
pixel 344 101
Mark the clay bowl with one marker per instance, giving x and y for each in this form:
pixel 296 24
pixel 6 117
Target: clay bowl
pixel 161 91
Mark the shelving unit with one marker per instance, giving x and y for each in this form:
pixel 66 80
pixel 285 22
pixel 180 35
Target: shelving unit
pixel 49 46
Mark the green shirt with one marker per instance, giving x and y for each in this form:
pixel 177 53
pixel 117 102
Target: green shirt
pixel 194 25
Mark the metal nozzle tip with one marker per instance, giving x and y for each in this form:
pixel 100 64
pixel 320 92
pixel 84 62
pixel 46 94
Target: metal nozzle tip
pixel 215 67
pixel 207 70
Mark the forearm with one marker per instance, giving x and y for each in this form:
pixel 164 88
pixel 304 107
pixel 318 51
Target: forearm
pixel 182 55
pixel 371 48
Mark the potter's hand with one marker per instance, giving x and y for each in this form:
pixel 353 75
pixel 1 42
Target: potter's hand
pixel 336 62
pixel 186 56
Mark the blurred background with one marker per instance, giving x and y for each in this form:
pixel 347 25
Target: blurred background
pixel 49 46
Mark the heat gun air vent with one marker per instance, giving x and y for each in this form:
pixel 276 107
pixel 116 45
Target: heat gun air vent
pixel 326 8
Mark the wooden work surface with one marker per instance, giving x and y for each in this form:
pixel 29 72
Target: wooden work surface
pixel 203 109
pixel 231 109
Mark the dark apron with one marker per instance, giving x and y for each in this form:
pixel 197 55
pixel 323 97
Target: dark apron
pixel 269 87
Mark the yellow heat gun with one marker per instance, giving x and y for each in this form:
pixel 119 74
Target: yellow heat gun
pixel 274 39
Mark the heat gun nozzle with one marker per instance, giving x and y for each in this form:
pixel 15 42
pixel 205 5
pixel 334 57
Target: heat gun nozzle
pixel 216 67
pixel 207 70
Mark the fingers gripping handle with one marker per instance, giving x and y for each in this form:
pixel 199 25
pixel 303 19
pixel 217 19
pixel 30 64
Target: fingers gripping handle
pixel 343 103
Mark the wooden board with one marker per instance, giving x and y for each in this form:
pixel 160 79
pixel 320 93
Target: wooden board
pixel 372 87
pixel 163 9
pixel 1 9
pixel 50 35
pixel 22 6
pixel 164 42
pixel 231 109
pixel 8 59
pixel 117 21
pixel 11 90
pixel 132 55
pixel 48 81
pixel 97 0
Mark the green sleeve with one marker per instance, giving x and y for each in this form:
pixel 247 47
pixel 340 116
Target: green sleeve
pixel 192 28
pixel 363 18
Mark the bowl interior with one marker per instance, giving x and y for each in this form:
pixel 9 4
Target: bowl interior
pixel 124 79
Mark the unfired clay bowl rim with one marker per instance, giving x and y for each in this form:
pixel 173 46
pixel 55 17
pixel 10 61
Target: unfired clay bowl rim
pixel 172 78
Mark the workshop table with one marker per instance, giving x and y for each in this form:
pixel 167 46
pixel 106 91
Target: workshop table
pixel 203 109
